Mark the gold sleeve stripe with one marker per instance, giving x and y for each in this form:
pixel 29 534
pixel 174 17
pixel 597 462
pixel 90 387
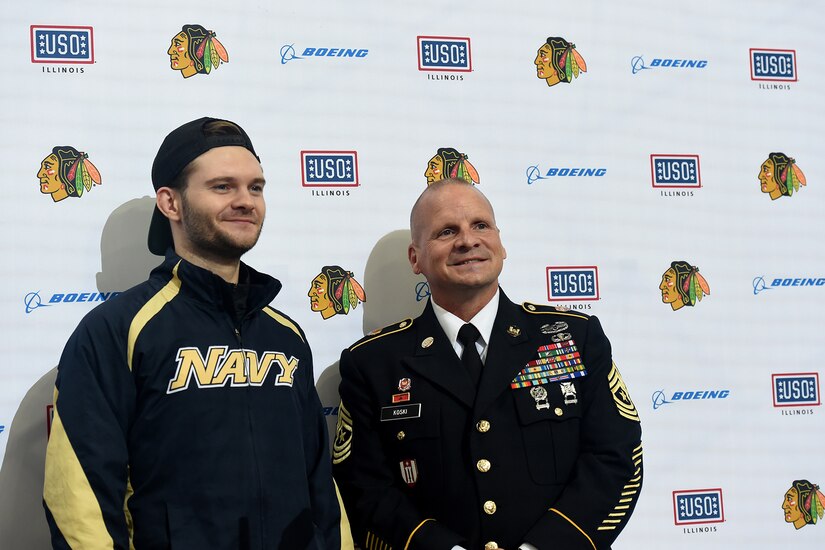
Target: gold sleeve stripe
pixel 150 309
pixel 414 531
pixel 375 543
pixel 284 321
pixel 403 325
pixel 631 489
pixel 573 523
pixel 342 446
pixel 346 534
pixel 69 496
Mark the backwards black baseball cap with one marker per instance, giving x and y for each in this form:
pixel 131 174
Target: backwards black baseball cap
pixel 182 146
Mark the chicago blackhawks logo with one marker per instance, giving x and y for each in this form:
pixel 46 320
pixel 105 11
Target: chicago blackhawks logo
pixel 683 285
pixel 196 50
pixel 334 290
pixel 558 61
pixel 803 504
pixel 449 163
pixel 67 172
pixel 779 176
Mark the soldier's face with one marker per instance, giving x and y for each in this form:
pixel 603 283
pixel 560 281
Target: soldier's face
pixel 456 244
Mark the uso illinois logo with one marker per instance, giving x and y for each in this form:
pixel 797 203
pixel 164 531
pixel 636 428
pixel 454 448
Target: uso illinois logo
pixel 572 283
pixel 796 389
pixel 675 171
pixel 329 168
pixel 773 65
pixel 698 506
pixel 62 44
pixel 444 53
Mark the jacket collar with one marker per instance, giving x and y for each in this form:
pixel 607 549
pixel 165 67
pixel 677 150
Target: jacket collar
pixel 204 286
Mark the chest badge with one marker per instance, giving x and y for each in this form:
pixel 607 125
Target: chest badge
pixel 568 391
pixel 539 394
pixel 409 471
pixel 558 326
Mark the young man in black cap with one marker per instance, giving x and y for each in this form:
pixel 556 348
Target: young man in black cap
pixel 185 410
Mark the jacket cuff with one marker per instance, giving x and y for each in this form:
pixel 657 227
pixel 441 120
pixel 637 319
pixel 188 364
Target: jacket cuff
pixel 557 530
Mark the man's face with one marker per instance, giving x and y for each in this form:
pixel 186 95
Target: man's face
pixel 222 206
pixel 456 243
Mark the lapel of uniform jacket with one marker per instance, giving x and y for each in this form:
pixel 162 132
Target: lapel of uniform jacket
pixel 511 347
pixel 435 359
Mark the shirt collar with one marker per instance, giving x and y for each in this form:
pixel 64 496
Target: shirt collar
pixel 483 321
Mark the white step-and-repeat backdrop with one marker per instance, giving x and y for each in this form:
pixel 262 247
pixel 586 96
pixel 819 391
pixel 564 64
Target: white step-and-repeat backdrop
pixel 657 164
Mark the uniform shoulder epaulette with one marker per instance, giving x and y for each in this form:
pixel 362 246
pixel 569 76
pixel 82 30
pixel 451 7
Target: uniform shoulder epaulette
pixel 381 332
pixel 539 309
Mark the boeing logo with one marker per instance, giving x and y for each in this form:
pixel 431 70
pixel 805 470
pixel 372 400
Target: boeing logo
pixel 534 174
pixel 637 64
pixel 33 301
pixel 759 283
pixel 422 291
pixel 659 397
pixel 288 53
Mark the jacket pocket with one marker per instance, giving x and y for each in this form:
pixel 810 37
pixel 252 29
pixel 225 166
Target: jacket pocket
pixel 414 447
pixel 550 432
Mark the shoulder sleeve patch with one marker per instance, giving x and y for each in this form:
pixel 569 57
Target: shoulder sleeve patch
pixel 541 309
pixel 380 333
pixel 621 396
pixel 342 446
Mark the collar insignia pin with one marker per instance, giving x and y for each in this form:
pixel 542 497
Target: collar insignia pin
pixel 513 331
pixel 427 342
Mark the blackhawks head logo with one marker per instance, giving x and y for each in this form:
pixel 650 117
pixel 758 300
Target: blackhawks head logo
pixel 196 50
pixel 558 61
pixel 682 285
pixel 449 163
pixel 779 176
pixel 334 290
pixel 803 504
pixel 67 172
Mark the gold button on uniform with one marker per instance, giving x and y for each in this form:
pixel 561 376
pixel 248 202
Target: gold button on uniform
pixel 483 426
pixel 483 465
pixel 401 435
pixel 558 411
pixel 492 545
pixel 490 507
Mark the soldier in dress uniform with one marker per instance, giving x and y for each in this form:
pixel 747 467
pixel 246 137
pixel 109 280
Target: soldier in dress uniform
pixel 483 423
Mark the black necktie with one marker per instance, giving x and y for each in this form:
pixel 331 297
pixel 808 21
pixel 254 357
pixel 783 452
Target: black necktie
pixel 468 335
